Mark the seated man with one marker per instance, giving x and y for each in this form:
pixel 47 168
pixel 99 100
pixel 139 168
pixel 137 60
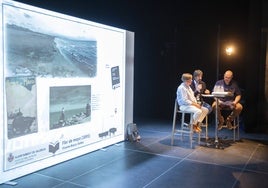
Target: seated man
pixel 187 102
pixel 227 84
pixel 199 87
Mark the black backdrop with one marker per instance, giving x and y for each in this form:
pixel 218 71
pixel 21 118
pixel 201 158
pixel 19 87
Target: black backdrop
pixel 176 36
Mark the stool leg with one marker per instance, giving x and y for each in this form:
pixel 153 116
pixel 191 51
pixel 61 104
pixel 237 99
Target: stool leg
pixel 191 130
pixel 199 138
pixel 182 123
pixel 236 129
pixel 206 127
pixel 174 123
pixel 234 124
pixel 173 130
pixel 238 133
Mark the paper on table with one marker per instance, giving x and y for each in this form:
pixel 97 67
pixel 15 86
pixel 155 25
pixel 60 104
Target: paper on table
pixel 221 93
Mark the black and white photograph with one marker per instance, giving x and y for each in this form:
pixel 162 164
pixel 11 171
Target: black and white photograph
pixel 21 106
pixel 69 105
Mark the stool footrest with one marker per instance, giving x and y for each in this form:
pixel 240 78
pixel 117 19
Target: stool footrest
pixel 183 131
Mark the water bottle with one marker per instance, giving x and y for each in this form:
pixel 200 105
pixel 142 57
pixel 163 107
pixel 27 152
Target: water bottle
pixel 216 88
pixel 221 89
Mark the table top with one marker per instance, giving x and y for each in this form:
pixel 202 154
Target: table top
pixel 207 95
pixel 218 94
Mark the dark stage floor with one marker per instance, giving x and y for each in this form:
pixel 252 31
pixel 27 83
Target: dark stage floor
pixel 153 162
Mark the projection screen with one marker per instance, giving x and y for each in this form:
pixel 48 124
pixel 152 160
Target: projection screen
pixel 67 87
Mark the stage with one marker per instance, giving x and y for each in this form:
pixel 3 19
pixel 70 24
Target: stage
pixel 153 162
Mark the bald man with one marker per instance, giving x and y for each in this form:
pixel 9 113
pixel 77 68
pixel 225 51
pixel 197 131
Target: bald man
pixel 229 102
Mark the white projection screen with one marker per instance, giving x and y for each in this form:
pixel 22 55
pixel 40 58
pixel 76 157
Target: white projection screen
pixel 66 87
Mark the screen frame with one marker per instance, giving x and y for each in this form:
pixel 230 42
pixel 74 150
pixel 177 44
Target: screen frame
pixel 126 78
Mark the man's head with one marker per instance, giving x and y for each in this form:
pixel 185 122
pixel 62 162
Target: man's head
pixel 228 76
pixel 198 74
pixel 187 78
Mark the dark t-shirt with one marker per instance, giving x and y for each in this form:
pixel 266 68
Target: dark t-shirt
pixel 202 90
pixel 232 87
pixel 197 94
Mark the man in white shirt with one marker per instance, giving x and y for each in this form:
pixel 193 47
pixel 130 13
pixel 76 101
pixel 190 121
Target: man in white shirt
pixel 187 101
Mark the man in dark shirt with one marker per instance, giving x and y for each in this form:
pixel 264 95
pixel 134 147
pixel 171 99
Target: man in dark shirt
pixel 227 84
pixel 199 87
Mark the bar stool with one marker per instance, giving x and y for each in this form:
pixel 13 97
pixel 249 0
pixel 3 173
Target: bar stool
pixel 205 124
pixel 186 127
pixel 236 128
pixel 235 123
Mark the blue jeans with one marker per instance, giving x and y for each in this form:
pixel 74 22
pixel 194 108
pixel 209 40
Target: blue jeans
pixel 206 105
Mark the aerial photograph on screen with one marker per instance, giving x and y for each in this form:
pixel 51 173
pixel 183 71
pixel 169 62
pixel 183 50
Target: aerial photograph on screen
pixel 69 105
pixel 46 46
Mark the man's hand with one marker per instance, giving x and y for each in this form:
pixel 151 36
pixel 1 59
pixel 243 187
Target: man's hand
pixel 196 105
pixel 207 91
pixel 199 87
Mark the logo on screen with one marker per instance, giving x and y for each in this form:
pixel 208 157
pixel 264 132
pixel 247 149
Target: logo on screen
pixel 53 147
pixel 10 157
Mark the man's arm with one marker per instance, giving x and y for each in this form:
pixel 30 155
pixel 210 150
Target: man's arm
pixel 237 99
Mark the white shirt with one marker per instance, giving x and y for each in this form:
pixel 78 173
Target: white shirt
pixel 185 95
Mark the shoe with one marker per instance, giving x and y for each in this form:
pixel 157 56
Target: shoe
pixel 196 128
pixel 199 126
pixel 229 124
pixel 220 124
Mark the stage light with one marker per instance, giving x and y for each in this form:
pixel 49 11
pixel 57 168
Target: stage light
pixel 229 50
